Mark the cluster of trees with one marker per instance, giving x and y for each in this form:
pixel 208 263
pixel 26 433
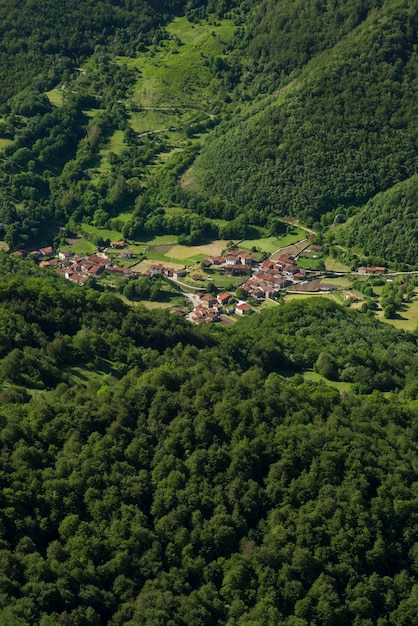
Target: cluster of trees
pixel 387 226
pixel 42 45
pixel 343 132
pixel 195 483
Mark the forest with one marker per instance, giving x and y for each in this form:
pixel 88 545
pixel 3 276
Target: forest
pixel 313 126
pixel 159 473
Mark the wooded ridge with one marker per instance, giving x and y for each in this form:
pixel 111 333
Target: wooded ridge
pixel 159 473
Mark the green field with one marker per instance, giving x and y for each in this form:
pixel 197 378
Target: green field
pixel 407 318
pixel 82 247
pixel 115 143
pixel 172 73
pixel 105 233
pixel 318 378
pixel 332 265
pixel 272 244
pixel 55 96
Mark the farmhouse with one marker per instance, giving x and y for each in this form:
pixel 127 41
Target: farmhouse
pixel 201 315
pixel 209 301
pixel 246 259
pixel 48 251
pixel 223 298
pixel 64 255
pixel 371 270
pixel 243 309
pixel 179 274
pixel 217 260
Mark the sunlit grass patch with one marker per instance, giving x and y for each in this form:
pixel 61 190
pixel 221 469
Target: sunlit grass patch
pixel 5 142
pixel 104 233
pixel 115 143
pixel 82 247
pixel 332 265
pixel 271 244
pixel 55 96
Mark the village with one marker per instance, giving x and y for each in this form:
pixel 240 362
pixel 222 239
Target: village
pixel 262 280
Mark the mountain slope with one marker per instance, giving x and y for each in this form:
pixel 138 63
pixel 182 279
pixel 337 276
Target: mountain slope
pixel 193 483
pixel 387 226
pixel 343 132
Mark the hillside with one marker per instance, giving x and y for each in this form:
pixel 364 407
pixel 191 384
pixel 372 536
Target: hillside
pixel 158 473
pixel 155 473
pixel 257 110
pixel 393 214
pixel 344 130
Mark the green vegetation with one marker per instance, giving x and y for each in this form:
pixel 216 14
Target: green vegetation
pixel 158 473
pixel 387 226
pixel 161 468
pixel 343 131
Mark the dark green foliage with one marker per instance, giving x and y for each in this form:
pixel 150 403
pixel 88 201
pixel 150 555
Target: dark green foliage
pixel 343 132
pixel 42 43
pixel 198 484
pixel 388 225
pixel 286 34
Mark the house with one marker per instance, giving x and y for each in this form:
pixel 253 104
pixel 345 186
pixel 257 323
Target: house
pixel 223 298
pixel 243 309
pixel 179 274
pixel 290 269
pixel 317 248
pixel 217 260
pixel 266 278
pixel 209 301
pixel 117 244
pixel 267 265
pixel 285 259
pixel 201 315
pixel 128 254
pixel 246 259
pixel 96 259
pixel 371 270
pixel 348 296
pixel 300 275
pixel 64 255
pixel 92 269
pixel 232 259
pixel 118 270
pixel 78 279
pixel 48 251
pixel 157 269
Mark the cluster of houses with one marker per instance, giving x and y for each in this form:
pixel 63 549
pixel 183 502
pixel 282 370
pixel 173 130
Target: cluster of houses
pixel 75 268
pixel 265 280
pixel 79 269
pixel 237 262
pixel 159 269
pixel 209 308
pixel 273 275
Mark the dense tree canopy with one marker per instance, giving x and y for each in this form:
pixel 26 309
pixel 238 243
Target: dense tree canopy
pixel 344 130
pixel 202 480
pixel 387 226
